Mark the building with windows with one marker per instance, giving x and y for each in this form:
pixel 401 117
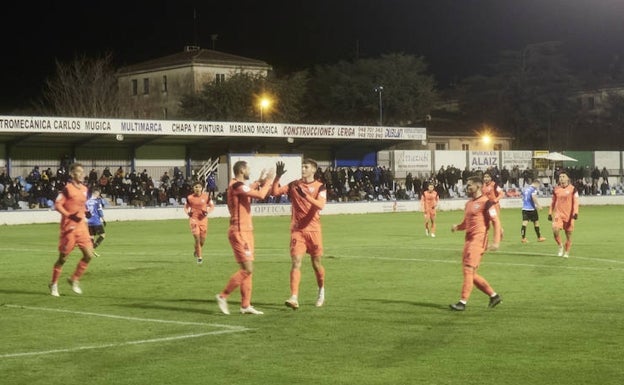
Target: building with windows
pixel 153 89
pixel 595 101
pixel 467 142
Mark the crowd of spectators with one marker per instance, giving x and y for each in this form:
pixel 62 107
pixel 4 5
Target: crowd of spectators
pixel 344 184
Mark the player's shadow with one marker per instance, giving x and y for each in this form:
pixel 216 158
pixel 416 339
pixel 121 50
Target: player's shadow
pixel 28 292
pixel 431 305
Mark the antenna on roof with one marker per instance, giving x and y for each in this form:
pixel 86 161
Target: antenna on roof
pixel 213 37
pixel 195 38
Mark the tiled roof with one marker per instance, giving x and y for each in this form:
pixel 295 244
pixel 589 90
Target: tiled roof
pixel 198 56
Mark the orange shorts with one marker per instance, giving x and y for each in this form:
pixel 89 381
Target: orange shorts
pixel 198 227
pixel 302 242
pixel 472 254
pixel 242 243
pixel 559 224
pixel 76 235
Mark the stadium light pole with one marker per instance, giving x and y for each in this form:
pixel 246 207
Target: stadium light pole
pixel 264 103
pixel 379 90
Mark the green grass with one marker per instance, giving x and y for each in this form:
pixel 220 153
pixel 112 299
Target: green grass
pixel 386 319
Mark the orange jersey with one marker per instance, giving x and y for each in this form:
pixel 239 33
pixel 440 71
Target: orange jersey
pixel 478 215
pixel 429 201
pixel 565 203
pixel 305 214
pixel 198 206
pixel 239 197
pixel 72 201
pixel 492 191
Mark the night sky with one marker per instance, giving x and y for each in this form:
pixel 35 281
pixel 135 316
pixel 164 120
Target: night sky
pixel 457 37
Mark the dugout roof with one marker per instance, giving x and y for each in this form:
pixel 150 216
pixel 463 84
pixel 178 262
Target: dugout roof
pixel 214 137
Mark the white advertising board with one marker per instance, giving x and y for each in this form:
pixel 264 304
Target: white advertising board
pixel 259 162
pixel 522 159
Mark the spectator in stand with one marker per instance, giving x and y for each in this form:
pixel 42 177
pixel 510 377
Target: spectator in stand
pixel 514 176
pixel 505 174
pixel 177 173
pixel 604 187
pixel 5 179
pixel 92 179
pixel 37 198
pixel 132 177
pixel 162 196
pixel 9 201
pixel 417 188
pixel 144 176
pixel 409 184
pixel 107 173
pixel 103 184
pixel 595 175
pixel 34 175
pixel 164 179
pixel 211 185
pixel 119 173
pixel 604 174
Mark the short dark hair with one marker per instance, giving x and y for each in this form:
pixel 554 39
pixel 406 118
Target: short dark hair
pixel 310 161
pixel 73 166
pixel 475 179
pixel 238 166
pixel 198 183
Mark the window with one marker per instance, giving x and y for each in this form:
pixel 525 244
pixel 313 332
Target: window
pixel 498 147
pixel 591 103
pixel 145 86
pixel 220 78
pixel 465 146
pixel 440 146
pixel 135 87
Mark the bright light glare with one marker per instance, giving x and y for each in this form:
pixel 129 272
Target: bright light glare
pixel 264 102
pixel 487 139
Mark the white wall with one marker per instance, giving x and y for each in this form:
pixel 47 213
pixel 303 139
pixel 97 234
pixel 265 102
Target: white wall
pixel 132 214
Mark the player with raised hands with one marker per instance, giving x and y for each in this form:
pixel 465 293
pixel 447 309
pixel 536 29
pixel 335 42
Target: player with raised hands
pixel 308 197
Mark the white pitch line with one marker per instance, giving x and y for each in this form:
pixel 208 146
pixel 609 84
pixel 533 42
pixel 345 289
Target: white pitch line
pixel 504 252
pixel 123 317
pixel 229 329
pixel 489 262
pixel 105 346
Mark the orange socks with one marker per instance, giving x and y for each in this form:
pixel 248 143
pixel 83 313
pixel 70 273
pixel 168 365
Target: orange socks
pixel 235 281
pixel 295 279
pixel 320 277
pixel 80 269
pixel 483 285
pixel 56 273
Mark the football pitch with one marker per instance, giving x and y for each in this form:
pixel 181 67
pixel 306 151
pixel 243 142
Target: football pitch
pixel 148 313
